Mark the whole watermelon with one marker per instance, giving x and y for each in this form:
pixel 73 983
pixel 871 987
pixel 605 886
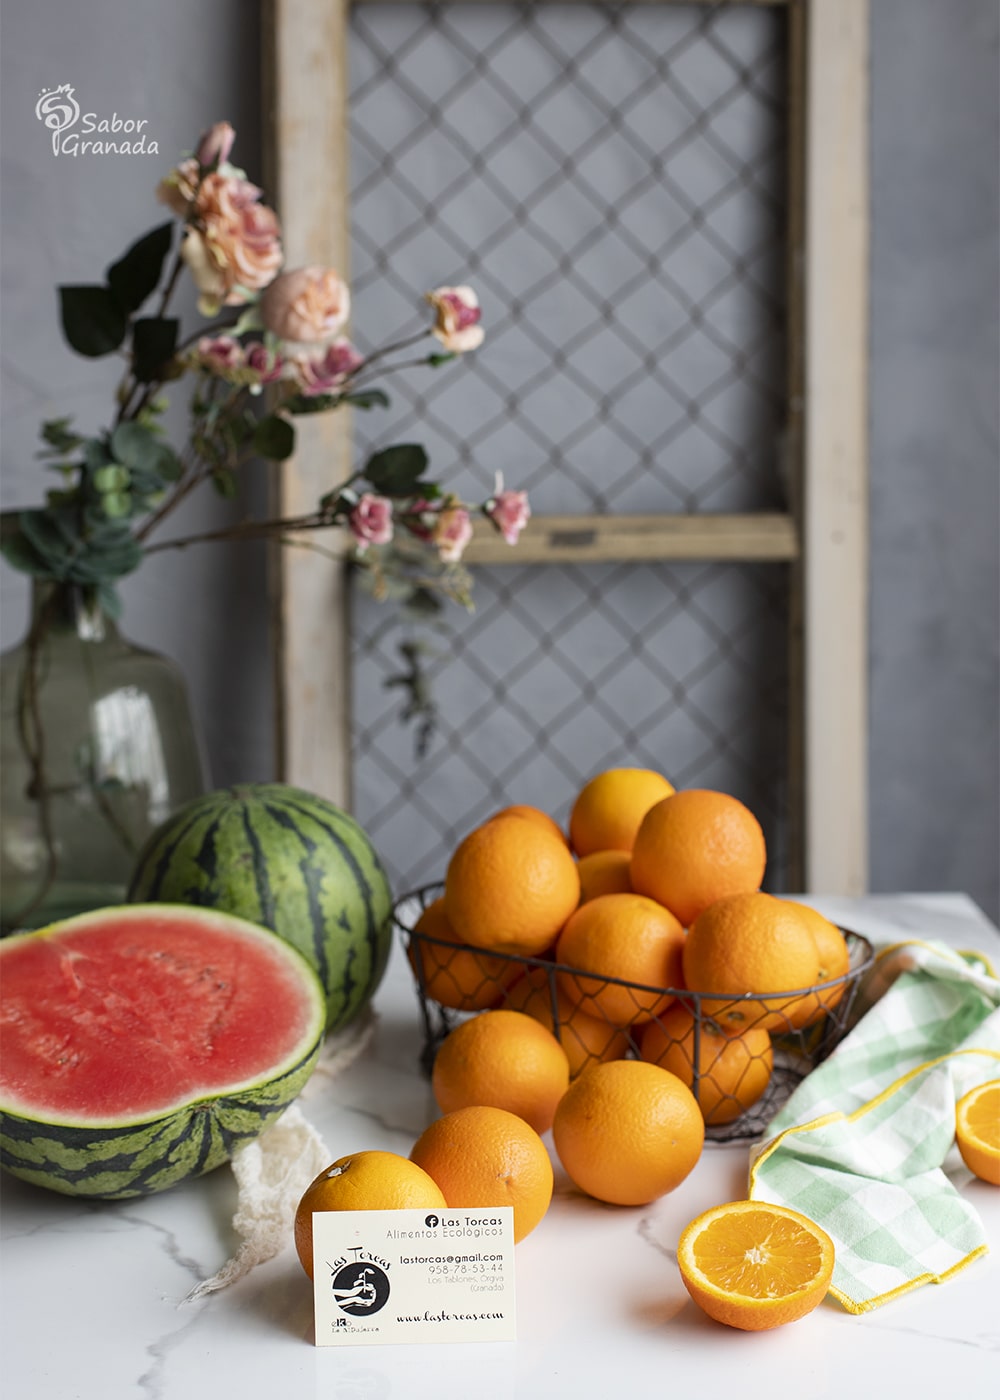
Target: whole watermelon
pixel 291 861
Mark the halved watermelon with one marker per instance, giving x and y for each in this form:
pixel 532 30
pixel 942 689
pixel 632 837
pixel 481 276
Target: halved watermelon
pixel 141 1044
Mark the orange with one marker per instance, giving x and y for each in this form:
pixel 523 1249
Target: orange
pixel 696 847
pixel 834 962
pixel 481 1157
pixel 363 1181
pixel 977 1128
pixel 604 872
pixel 609 808
pixel 505 1059
pixel 750 943
pixel 753 1265
pixel 534 814
pixel 585 1039
pixel 454 976
pixel 726 1073
pixel 623 936
pixel 628 1132
pixel 510 886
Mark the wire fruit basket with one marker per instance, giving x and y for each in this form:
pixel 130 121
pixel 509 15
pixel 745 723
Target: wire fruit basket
pixel 742 1062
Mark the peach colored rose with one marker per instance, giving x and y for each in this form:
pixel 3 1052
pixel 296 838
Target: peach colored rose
pixel 241 235
pixel 452 532
pixel 178 190
pixel 510 512
pixel 309 305
pixel 371 521
pixel 457 325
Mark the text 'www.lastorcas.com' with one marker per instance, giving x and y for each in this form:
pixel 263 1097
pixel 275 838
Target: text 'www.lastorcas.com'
pixel 453 1317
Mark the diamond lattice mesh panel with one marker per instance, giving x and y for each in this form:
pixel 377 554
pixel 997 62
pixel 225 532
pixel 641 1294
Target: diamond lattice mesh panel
pixel 611 181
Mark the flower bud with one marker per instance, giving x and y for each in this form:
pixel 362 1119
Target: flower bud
pixel 215 145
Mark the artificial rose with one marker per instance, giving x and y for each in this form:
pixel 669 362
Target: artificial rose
pixel 242 235
pixel 266 363
pixel 371 521
pixel 215 145
pixel 452 533
pixel 309 305
pixel 323 374
pixel 510 512
pixel 220 353
pixel 179 188
pixel 205 272
pixel 457 325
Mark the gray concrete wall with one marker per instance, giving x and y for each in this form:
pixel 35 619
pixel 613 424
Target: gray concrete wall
pixel 934 458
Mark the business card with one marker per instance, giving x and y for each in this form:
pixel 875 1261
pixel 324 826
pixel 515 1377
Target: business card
pixel 388 1276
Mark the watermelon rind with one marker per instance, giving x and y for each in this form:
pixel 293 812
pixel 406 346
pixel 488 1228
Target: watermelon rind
pixel 290 861
pixel 140 1155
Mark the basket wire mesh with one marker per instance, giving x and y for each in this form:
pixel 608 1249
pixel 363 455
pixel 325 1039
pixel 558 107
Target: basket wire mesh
pixel 803 1025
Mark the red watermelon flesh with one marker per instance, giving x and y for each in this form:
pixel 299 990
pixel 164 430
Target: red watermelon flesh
pixel 128 1013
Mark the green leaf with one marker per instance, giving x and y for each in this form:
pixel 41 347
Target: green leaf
pixel 423 603
pixel 131 443
pixel 396 470
pixel 154 340
pixel 109 600
pixel 311 403
pixel 136 274
pixel 224 482
pixel 274 437
pixel 441 358
pixel 21 554
pixel 92 321
pixel 96 454
pixel 367 398
pixel 55 432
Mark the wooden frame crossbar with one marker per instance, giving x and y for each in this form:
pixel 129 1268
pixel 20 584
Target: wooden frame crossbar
pixel 824 535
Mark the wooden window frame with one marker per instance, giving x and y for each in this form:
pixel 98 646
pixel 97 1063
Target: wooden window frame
pixel 824 535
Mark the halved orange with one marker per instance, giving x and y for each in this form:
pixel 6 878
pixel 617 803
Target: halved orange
pixel 754 1265
pixel 977 1128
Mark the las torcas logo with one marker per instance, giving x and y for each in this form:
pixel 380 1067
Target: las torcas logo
pixel 76 133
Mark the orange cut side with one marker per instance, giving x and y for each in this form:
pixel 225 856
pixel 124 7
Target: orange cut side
pixel 753 1265
pixel 977 1128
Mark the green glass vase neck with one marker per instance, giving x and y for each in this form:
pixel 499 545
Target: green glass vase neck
pixel 70 607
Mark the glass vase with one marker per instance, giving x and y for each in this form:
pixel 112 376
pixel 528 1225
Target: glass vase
pixel 97 746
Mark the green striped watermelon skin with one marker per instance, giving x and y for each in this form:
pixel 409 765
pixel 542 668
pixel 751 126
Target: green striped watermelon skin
pixel 118 1163
pixel 290 861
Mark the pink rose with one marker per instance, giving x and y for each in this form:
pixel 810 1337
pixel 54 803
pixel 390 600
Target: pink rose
pixel 420 519
pixel 452 533
pixel 215 145
pixel 310 304
pixel 264 361
pixel 510 512
pixel 220 353
pixel 328 372
pixel 457 325
pixel 371 521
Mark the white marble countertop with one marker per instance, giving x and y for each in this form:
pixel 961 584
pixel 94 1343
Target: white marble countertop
pixel 92 1292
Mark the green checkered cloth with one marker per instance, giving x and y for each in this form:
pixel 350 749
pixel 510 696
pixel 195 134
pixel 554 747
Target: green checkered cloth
pixel 865 1145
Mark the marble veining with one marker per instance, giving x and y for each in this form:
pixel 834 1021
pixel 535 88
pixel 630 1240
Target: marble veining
pixel 93 1294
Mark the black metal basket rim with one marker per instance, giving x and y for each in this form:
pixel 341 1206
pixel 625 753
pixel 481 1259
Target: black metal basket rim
pixel 856 942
